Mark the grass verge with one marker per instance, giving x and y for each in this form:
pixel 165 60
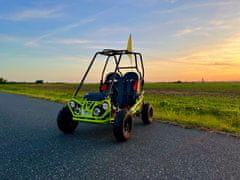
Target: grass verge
pixel 213 106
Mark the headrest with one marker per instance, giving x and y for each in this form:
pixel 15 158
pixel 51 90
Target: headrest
pixel 110 76
pixel 131 76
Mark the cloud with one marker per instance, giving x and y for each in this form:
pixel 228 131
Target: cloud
pixel 194 6
pixel 76 58
pixel 217 22
pixel 203 64
pixel 210 27
pixel 215 61
pixel 171 1
pixel 149 2
pixel 35 42
pixel 32 14
pixel 224 53
pixel 77 24
pixel 70 41
pixel 112 30
pixel 83 21
pixel 187 31
pixel 7 38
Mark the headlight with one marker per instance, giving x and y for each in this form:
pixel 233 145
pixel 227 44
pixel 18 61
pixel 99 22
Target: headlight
pixel 78 110
pixel 105 106
pixel 96 111
pixel 72 104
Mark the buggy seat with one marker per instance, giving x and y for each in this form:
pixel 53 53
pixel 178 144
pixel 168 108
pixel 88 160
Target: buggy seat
pixel 105 87
pixel 125 90
pixel 131 89
pixel 108 80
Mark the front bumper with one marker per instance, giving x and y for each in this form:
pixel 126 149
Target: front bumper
pixel 86 113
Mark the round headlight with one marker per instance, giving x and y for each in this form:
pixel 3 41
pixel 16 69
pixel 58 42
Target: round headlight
pixel 105 106
pixel 78 110
pixel 96 111
pixel 72 104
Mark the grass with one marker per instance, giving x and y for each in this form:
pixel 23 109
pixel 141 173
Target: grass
pixel 213 106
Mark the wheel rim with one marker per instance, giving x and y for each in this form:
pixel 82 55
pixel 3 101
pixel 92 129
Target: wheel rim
pixel 127 126
pixel 150 112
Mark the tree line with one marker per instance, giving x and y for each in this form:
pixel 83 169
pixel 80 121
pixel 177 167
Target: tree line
pixel 3 81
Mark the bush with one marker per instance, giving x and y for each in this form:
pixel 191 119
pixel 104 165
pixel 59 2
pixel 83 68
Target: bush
pixel 2 80
pixel 178 82
pixel 39 81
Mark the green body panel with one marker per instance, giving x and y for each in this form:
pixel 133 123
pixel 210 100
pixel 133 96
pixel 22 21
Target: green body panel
pixel 87 109
pixel 108 121
pixel 138 105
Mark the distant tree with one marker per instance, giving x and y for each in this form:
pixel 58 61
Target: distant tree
pixel 178 82
pixel 39 81
pixel 2 80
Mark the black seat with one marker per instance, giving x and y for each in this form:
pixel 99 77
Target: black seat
pixel 110 77
pixel 131 85
pixel 95 96
pixel 125 90
pixel 108 80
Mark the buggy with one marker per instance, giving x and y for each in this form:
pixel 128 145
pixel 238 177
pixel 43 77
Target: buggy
pixel 120 97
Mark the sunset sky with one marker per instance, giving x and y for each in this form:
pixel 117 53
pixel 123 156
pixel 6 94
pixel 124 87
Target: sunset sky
pixel 183 40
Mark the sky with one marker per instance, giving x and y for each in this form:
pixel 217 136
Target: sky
pixel 180 39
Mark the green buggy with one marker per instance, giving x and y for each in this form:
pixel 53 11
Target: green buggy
pixel 120 97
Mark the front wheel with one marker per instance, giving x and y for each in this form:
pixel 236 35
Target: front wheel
pixel 122 126
pixel 147 113
pixel 65 122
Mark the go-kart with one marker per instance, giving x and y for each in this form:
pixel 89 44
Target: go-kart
pixel 120 97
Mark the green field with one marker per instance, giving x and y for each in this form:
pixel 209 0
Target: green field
pixel 213 106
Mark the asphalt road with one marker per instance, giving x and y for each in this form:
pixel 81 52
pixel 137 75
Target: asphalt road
pixel 31 147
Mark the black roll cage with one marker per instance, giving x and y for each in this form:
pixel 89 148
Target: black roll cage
pixel 117 55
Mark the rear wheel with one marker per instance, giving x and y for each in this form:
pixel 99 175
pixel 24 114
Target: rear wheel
pixel 122 126
pixel 147 113
pixel 65 122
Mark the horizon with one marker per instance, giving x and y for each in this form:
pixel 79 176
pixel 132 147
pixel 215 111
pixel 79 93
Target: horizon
pixel 180 40
pixel 96 82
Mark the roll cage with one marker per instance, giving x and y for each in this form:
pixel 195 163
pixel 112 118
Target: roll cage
pixel 117 55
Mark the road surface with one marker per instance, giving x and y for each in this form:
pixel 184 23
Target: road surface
pixel 31 147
